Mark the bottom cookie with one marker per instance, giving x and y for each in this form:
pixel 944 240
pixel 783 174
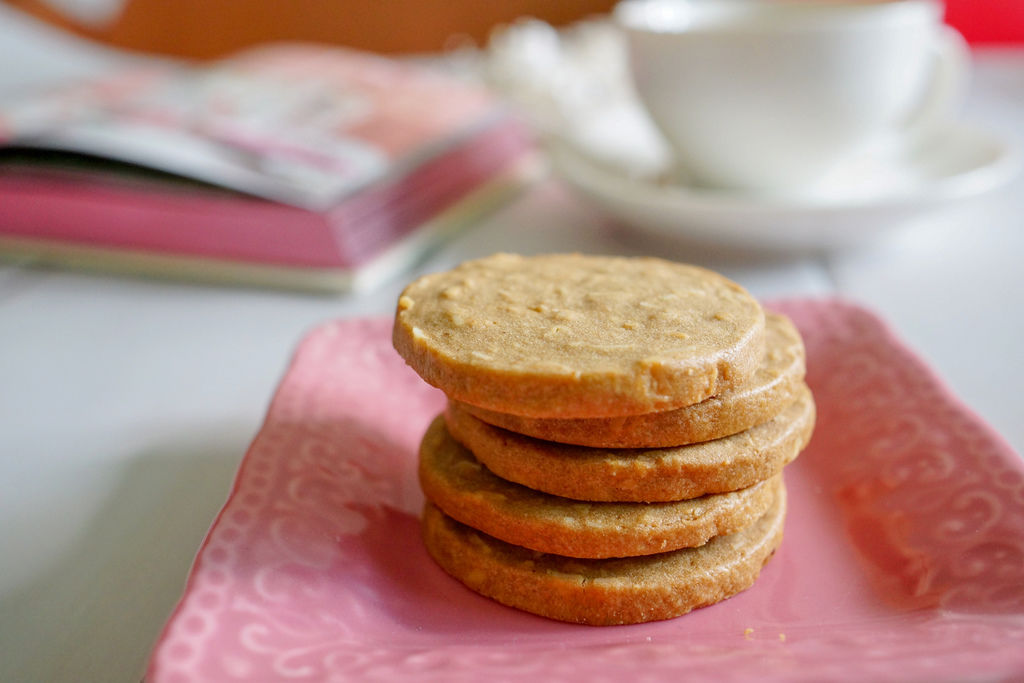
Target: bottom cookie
pixel 604 592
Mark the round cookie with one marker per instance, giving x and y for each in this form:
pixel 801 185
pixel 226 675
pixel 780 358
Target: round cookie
pixel 639 475
pixel 604 592
pixel 569 336
pixel 465 490
pixel 775 385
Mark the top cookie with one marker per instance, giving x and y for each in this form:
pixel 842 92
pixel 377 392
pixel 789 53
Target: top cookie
pixel 575 336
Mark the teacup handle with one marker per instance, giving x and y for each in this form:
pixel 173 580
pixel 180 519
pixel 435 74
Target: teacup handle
pixel 952 57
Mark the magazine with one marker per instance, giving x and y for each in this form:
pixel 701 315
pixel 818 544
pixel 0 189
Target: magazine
pixel 319 161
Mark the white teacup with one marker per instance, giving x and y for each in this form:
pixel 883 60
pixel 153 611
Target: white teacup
pixel 770 95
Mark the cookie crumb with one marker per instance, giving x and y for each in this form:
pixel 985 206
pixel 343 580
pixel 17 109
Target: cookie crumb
pixel 747 633
pixel 782 637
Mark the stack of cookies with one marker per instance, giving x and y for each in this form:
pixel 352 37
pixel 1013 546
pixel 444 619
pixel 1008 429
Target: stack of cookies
pixel 615 434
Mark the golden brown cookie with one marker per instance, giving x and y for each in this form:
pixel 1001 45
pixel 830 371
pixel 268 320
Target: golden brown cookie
pixel 567 335
pixel 639 475
pixel 465 490
pixel 776 384
pixel 604 592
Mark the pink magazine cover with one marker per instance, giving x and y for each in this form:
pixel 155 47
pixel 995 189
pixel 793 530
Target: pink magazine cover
pixel 313 164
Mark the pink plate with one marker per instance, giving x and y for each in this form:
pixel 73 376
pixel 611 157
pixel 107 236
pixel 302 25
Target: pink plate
pixel 903 558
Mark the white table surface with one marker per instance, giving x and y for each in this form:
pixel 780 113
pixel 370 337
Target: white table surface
pixel 126 405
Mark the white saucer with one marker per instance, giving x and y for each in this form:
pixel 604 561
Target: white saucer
pixel 864 199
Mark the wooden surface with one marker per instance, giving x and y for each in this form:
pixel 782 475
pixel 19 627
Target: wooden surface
pixel 203 29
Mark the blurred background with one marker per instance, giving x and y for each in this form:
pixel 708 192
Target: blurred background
pixel 201 29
